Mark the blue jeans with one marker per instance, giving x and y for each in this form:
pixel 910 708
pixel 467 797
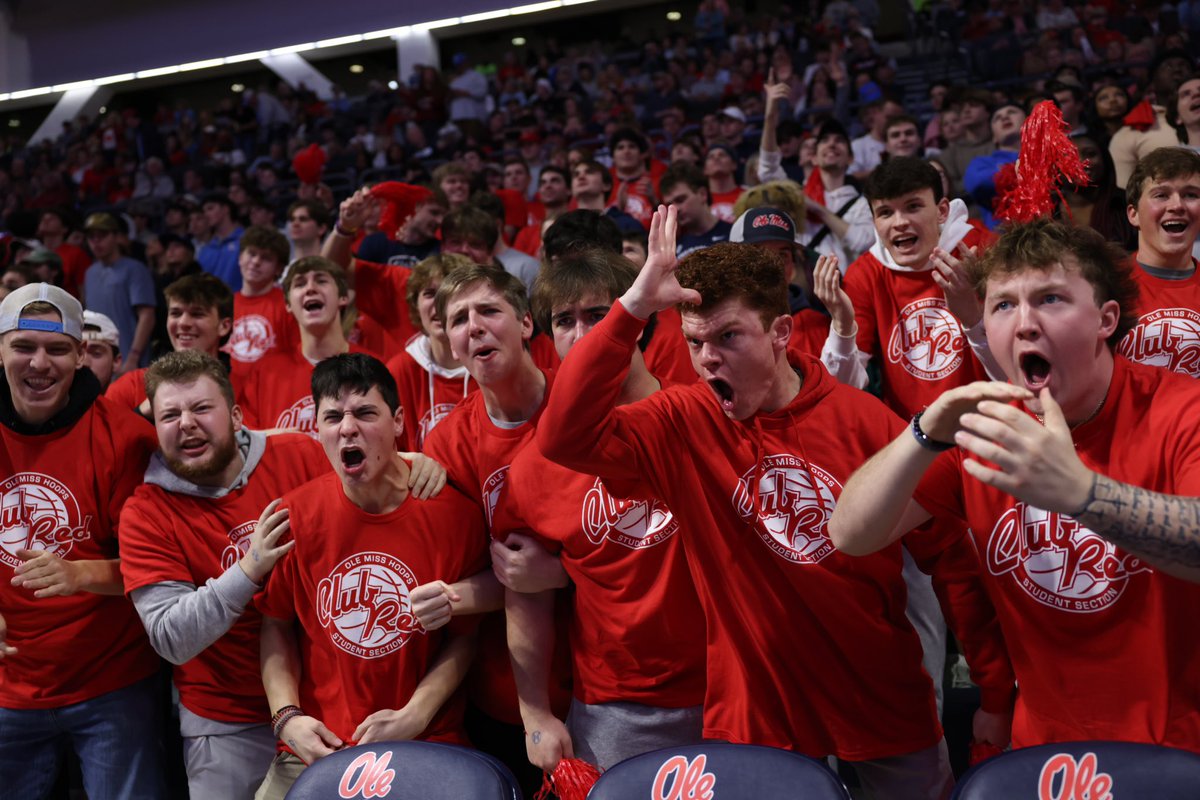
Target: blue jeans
pixel 115 735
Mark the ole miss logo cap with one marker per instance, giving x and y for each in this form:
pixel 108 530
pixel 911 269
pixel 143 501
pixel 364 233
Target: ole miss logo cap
pixel 763 224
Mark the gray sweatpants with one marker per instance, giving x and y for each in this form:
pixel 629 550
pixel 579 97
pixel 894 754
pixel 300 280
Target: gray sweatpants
pixel 923 775
pixel 228 766
pixel 607 733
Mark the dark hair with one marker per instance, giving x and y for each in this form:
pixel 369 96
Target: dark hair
pixel 470 222
pixel 1165 163
pixel 728 270
pixel 554 169
pixel 303 266
pixel 489 202
pixel 578 230
pixel 431 269
pixel 185 366
pixel 269 241
pixel 898 176
pixel 357 373
pixel 317 210
pixel 202 289
pixel 1044 244
pixel 596 168
pixel 901 119
pixel 682 172
pixel 575 275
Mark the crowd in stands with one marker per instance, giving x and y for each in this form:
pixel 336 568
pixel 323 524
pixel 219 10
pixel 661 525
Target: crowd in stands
pixel 411 267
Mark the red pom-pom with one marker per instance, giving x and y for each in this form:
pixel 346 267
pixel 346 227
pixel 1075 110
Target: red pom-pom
pixel 309 163
pixel 400 200
pixel 1048 158
pixel 572 779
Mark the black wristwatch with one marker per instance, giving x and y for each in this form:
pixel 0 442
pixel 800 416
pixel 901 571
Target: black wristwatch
pixel 923 438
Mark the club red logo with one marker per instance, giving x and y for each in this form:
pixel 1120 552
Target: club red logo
pixel 252 336
pixel 364 607
pixel 430 420
pixel 680 779
pixel 239 543
pixel 794 503
pixel 38 512
pixel 1081 780
pixel 1058 562
pixel 1168 338
pixel 367 776
pixel 301 416
pixel 927 340
pixel 492 488
pixel 633 523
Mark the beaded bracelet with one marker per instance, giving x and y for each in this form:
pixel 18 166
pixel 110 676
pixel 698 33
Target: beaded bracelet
pixel 282 717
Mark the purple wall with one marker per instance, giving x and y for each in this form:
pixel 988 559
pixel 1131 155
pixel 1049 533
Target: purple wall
pixel 72 40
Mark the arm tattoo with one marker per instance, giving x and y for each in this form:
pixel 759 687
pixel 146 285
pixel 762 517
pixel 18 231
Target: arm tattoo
pixel 536 736
pixel 1160 527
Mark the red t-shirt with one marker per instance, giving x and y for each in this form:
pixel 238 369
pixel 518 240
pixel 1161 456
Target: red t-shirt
pixel 904 324
pixel 1103 645
pixel 347 582
pixel 374 338
pixel 634 631
pixel 529 239
pixel 667 355
pixel 541 348
pixel 753 500
pixel 63 492
pixel 810 329
pixel 381 294
pixel 261 325
pixel 426 397
pixel 722 204
pixel 277 393
pixel 75 265
pixel 476 454
pixel 1167 333
pixel 167 536
pixel 129 390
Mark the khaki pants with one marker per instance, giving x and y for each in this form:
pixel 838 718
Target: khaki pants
pixel 284 771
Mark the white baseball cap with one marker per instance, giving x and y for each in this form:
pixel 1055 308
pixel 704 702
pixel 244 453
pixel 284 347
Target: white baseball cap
pixel 67 306
pixel 105 329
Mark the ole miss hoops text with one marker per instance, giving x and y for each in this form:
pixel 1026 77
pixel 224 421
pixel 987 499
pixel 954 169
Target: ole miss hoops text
pixel 789 507
pixel 927 340
pixel 363 604
pixel 680 779
pixel 1058 562
pixel 1168 338
pixel 38 512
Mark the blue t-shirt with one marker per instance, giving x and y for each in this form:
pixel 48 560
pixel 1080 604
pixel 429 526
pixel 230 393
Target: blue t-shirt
pixel 685 244
pixel 220 257
pixel 379 249
pixel 116 291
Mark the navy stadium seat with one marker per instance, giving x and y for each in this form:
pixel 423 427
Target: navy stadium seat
pixel 1078 770
pixel 725 771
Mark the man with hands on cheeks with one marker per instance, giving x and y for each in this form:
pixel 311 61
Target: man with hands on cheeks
pixel 751 461
pixel 366 672
pixel 1078 480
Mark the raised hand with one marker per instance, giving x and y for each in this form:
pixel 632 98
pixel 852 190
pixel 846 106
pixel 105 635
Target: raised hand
pixel 775 93
pixel 432 604
pixel 1037 462
pixel 265 551
pixel 943 418
pixel 827 285
pixel 950 274
pixel 357 209
pixel 657 285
